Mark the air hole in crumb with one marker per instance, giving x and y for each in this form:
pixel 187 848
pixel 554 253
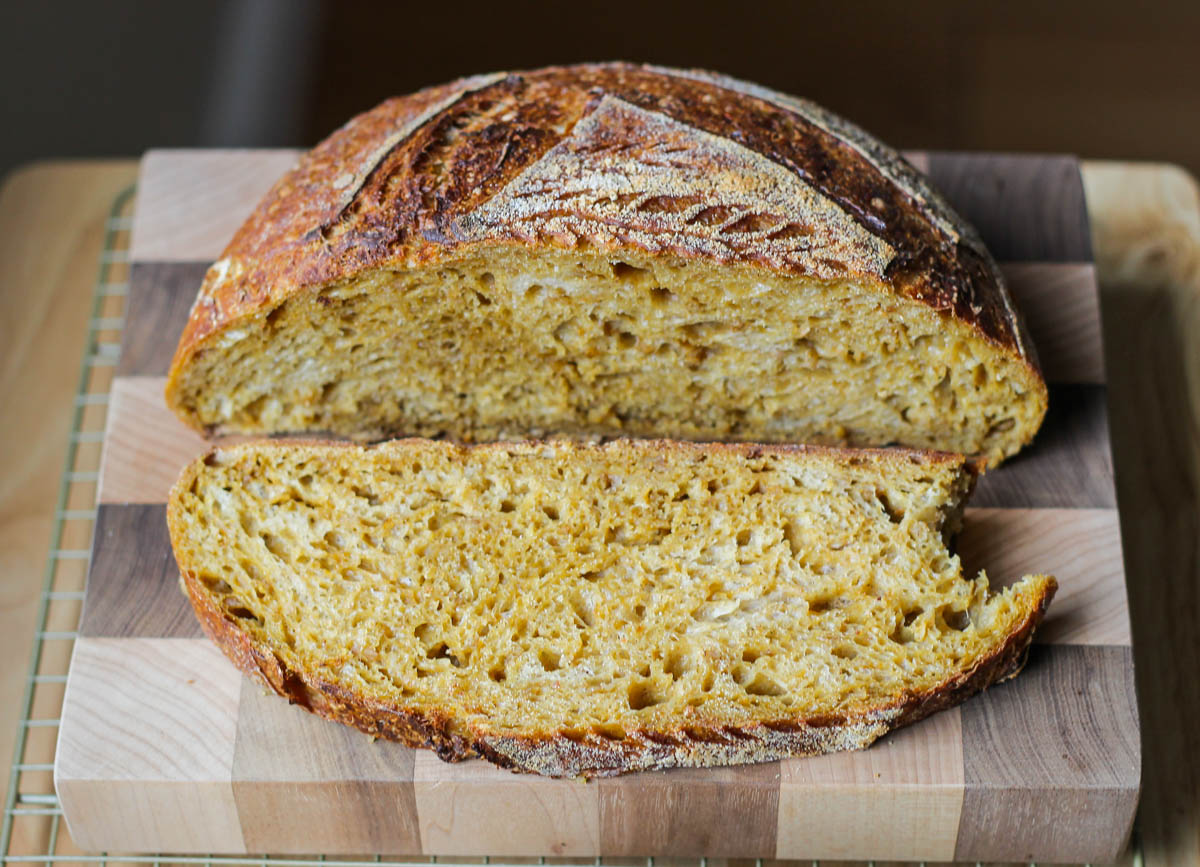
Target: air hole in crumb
pixel 956 620
pixel 335 540
pixel 678 663
pixel 660 296
pixel 550 658
pixel 274 544
pixel 894 513
pixel 644 694
pixel 764 685
pixel 483 300
pixel 626 340
pixel 901 635
pixel 550 512
pixel 639 611
pixel 367 494
pixel 497 673
pixel 750 654
pixel 911 616
pixel 237 608
pixel 487 279
pixel 845 651
pixel 625 271
pixel 216 585
pixel 507 506
pixel 274 316
pixel 743 538
pixel 611 731
pixel 792 533
pixel 816 606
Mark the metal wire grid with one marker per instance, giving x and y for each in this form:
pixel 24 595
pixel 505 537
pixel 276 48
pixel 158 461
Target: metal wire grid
pixel 33 831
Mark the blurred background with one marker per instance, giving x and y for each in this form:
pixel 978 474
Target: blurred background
pixel 1106 78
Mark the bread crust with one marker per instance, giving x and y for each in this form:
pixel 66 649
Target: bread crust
pixel 610 157
pixel 554 754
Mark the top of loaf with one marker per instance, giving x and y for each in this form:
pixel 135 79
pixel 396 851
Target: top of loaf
pixel 610 157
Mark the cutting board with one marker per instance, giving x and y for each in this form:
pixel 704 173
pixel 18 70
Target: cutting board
pixel 164 746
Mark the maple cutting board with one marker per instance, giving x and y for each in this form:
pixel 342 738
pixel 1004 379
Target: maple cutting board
pixel 165 747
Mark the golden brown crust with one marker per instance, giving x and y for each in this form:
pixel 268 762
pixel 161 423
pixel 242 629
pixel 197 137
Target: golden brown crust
pixel 557 755
pixel 609 156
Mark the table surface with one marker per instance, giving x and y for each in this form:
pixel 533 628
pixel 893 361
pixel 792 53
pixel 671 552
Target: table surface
pixel 1146 232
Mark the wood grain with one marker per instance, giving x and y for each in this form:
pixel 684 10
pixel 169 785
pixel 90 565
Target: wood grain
pixel 1080 547
pixel 147 742
pixel 1028 208
pixel 1036 759
pixel 1061 307
pixel 133 584
pixel 161 295
pixel 717 812
pixel 52 218
pixel 145 445
pixel 1147 229
pixel 337 790
pixel 475 808
pixel 190 202
pixel 1067 466
pixel 899 799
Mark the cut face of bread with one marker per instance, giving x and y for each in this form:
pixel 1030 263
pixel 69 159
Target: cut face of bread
pixel 609 250
pixel 506 344
pixel 590 610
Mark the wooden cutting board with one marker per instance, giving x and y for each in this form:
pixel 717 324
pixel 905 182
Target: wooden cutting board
pixel 165 747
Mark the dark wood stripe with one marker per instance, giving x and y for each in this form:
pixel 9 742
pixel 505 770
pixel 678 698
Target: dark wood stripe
pixel 1027 208
pixel 160 298
pixel 336 791
pixel 133 584
pixel 1053 760
pixel 714 812
pixel 1069 464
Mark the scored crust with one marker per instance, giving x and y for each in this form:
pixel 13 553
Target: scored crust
pixel 555 754
pixel 526 159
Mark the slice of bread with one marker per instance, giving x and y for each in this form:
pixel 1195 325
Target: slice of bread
pixel 575 610
pixel 609 250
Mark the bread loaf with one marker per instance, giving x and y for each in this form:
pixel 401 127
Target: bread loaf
pixel 609 250
pixel 571 609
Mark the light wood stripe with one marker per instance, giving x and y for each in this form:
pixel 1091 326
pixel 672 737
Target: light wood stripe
pixel 145 445
pixel 145 751
pixel 303 784
pixel 900 799
pixel 190 202
pixel 475 808
pixel 1080 547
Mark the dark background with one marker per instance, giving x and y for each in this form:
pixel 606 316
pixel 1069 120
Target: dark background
pixel 1101 79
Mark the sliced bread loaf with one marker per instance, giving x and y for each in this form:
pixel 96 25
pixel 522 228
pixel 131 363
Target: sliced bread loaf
pixel 576 610
pixel 610 250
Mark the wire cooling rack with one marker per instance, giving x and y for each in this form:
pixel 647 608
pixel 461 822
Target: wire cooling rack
pixel 33 831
